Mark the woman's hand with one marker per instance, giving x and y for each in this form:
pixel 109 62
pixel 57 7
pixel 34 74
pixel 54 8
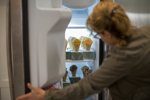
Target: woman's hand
pixel 37 94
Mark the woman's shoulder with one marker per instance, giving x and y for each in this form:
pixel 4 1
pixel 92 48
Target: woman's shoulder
pixel 146 27
pixel 140 37
pixel 145 30
pixel 136 44
pixel 139 42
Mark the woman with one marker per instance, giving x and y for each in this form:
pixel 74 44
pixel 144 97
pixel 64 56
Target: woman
pixel 126 69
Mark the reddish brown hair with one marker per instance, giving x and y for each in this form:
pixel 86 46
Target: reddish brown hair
pixel 111 17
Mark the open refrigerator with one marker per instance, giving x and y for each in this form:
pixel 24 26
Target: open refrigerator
pixel 32 41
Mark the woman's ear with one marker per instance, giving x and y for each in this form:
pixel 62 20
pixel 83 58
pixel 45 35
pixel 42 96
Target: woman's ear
pixel 107 34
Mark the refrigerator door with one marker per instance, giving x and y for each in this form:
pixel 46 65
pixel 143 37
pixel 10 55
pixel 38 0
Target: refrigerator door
pixel 5 93
pixel 47 25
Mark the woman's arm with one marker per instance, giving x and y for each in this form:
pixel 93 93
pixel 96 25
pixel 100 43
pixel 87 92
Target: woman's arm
pixel 114 68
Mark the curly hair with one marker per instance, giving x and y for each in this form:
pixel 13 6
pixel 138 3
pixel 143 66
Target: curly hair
pixel 111 17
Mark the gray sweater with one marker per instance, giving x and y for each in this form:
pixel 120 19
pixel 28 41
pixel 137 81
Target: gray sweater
pixel 125 71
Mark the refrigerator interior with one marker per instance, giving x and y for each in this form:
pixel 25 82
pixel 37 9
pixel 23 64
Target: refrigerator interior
pixel 77 29
pixel 92 63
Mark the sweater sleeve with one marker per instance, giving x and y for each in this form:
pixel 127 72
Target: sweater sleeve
pixel 115 67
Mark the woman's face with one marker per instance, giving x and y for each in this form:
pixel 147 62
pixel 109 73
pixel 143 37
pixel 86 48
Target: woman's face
pixel 108 38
